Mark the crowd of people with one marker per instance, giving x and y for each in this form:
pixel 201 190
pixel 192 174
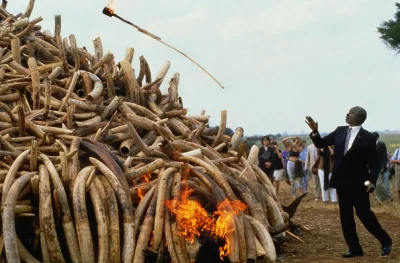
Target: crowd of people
pixel 294 165
pixel 298 162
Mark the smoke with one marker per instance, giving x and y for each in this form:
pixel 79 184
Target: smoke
pixel 112 4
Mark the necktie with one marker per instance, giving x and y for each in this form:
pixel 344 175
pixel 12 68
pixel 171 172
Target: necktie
pixel 346 143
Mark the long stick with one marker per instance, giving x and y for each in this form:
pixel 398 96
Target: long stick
pixel 111 13
pixel 377 198
pixel 293 235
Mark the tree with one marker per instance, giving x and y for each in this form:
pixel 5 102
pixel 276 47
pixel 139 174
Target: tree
pixel 390 31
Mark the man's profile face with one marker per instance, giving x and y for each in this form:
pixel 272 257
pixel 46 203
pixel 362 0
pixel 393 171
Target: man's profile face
pixel 352 117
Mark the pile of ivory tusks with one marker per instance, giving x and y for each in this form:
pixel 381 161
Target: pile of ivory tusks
pixel 90 152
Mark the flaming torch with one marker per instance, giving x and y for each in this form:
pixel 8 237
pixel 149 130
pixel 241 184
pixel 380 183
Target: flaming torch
pixel 109 11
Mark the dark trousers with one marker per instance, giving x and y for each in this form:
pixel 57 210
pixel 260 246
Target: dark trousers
pixel 355 197
pixel 271 175
pixel 269 172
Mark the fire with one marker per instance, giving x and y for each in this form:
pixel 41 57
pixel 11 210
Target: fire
pixel 147 177
pixel 140 194
pixel 192 219
pixel 109 9
pixel 144 179
pixel 112 5
pixel 237 206
pixel 224 225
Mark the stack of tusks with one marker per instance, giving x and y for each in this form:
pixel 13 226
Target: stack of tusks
pixel 82 136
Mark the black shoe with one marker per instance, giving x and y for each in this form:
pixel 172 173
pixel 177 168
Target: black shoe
pixel 386 249
pixel 353 253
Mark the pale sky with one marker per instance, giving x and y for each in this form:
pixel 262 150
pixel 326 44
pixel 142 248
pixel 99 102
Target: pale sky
pixel 279 60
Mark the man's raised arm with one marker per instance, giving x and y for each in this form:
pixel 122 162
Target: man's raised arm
pixel 316 137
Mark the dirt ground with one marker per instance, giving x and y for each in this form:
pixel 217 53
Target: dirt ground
pixel 325 242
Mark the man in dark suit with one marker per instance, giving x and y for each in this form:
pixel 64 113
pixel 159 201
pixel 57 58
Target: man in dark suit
pixel 265 158
pixel 356 163
pixel 381 191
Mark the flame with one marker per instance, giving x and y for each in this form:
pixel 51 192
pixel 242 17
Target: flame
pixel 237 206
pixel 109 9
pixel 192 219
pixel 140 194
pixel 111 6
pixel 147 177
pixel 224 225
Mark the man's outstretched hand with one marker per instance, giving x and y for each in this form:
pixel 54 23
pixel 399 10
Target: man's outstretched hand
pixel 312 124
pixel 370 188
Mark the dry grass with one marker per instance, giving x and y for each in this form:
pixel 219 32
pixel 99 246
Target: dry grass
pixel 285 197
pixel 325 242
pixel 392 208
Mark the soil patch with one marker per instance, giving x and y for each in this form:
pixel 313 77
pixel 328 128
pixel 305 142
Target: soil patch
pixel 325 242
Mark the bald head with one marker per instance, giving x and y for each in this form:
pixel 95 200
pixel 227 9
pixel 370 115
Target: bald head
pixel 356 116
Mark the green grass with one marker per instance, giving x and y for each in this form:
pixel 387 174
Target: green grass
pixel 392 141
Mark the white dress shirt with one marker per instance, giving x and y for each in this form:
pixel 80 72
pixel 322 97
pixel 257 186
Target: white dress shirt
pixel 354 131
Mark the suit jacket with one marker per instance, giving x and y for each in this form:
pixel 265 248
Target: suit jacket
pixel 263 158
pixel 382 155
pixel 359 164
pixel 310 160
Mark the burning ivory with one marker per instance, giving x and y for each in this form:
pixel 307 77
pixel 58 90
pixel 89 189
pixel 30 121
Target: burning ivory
pixel 98 165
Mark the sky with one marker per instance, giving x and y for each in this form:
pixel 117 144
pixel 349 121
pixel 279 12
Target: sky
pixel 279 60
